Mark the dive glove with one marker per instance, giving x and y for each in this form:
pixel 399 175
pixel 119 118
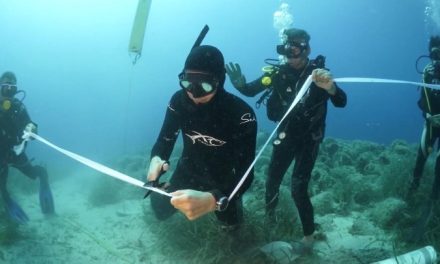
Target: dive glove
pixel 234 72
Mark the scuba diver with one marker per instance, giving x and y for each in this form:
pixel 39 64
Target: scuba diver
pixel 302 132
pixel 429 103
pixel 14 119
pixel 219 137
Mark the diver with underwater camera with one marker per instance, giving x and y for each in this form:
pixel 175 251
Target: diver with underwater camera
pixel 302 132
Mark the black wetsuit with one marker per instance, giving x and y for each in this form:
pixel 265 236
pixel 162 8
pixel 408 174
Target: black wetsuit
pixel 429 103
pixel 298 137
pixel 12 123
pixel 219 140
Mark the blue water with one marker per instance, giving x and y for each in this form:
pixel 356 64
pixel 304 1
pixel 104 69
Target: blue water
pixel 71 58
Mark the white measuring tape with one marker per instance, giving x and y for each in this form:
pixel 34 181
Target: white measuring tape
pixel 375 80
pixel 95 165
pixel 299 96
pixel 136 182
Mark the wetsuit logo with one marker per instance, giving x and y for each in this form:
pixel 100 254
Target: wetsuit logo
pixel 246 118
pixel 205 139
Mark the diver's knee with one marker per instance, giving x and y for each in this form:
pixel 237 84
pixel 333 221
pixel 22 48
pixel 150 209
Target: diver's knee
pixel 299 192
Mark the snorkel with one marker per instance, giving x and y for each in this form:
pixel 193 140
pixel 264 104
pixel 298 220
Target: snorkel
pixel 196 86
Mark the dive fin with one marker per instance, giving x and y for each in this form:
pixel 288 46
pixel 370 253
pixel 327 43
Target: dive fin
pixel 46 198
pixel 15 212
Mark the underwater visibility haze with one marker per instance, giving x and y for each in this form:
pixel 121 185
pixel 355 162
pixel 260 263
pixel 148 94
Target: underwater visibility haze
pixel 86 95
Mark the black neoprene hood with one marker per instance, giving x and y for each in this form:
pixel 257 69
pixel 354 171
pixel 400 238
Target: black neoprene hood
pixel 208 59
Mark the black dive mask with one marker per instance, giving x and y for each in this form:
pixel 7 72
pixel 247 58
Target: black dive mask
pixel 8 90
pixel 288 49
pixel 198 84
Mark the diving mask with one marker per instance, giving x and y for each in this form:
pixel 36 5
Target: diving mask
pixel 198 84
pixel 288 49
pixel 8 90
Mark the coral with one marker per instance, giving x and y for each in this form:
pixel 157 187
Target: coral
pixel 321 180
pixel 396 174
pixel 3 232
pixel 363 196
pixel 361 226
pixel 330 147
pixel 346 180
pixel 323 203
pixel 384 159
pixel 387 211
pixel 345 159
pixel 400 147
pixel 364 163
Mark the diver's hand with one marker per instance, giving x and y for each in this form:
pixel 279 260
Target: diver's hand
pixel 234 72
pixel 157 165
pixel 31 127
pixel 193 204
pixel 324 79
